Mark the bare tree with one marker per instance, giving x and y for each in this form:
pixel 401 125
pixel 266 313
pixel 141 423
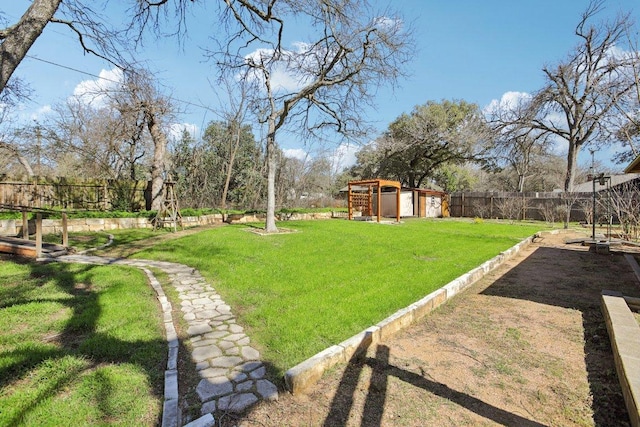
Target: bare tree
pixel 156 109
pixel 93 35
pixel 582 91
pixel 586 207
pixel 511 208
pixel 14 152
pixel 89 139
pixel 515 144
pixel 625 204
pixel 351 52
pixel 116 131
pixel 627 122
pixel 235 116
pixel 568 201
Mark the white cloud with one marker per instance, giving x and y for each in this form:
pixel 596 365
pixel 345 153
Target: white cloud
pixel 344 156
pixel 281 78
pixel 93 91
pixel 509 101
pixel 386 23
pixel 296 153
pixel 288 73
pixel 40 112
pixel 175 130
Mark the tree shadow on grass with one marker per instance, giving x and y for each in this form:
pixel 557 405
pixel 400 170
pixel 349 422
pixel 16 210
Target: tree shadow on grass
pixel 76 290
pixel 563 285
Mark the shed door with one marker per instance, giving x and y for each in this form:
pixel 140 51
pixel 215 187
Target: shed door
pixel 423 206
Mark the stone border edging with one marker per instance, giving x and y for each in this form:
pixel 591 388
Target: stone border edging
pixel 305 374
pixel 170 409
pixel 624 333
pixel 233 377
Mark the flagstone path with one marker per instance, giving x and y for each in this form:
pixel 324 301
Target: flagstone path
pixel 232 375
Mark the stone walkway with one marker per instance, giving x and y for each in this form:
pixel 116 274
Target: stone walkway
pixel 232 375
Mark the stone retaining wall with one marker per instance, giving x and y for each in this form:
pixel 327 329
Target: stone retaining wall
pixel 624 333
pixel 13 227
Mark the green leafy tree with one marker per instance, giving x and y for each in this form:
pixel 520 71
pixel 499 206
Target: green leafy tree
pixel 418 144
pixel 224 167
pixel 236 155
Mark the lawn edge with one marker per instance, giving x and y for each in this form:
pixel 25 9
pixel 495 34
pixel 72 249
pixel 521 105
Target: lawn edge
pixel 304 375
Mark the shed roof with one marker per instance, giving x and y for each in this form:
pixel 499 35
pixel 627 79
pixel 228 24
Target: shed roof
pixel 376 182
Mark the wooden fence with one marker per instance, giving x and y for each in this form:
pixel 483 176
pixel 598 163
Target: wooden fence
pixel 549 206
pixel 77 195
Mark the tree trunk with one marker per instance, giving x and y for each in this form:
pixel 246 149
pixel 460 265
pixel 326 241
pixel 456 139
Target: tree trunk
pixel 521 183
pixel 572 156
pixel 232 156
pixel 270 225
pixel 157 168
pixel 21 36
pixel 21 159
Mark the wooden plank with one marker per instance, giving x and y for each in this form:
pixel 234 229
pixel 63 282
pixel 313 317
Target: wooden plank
pixel 27 248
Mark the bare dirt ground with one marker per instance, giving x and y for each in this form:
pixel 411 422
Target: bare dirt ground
pixel 525 346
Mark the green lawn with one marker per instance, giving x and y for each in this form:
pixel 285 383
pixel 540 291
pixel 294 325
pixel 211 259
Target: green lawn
pixel 299 293
pixel 79 345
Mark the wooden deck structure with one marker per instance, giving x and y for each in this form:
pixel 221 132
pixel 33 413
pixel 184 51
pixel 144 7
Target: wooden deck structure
pixel 364 199
pixel 29 248
pixel 33 248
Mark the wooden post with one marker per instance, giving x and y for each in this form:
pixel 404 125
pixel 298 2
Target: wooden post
pixel 349 203
pixel 106 197
pixel 25 225
pixel 379 202
pixel 65 234
pixel 491 207
pixel 38 235
pixel 398 204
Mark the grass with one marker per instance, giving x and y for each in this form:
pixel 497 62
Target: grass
pixel 79 345
pixel 79 240
pixel 301 292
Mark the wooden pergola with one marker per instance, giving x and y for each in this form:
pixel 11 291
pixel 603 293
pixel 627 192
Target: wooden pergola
pixel 367 201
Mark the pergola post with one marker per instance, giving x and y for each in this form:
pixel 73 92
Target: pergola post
pixel 349 202
pixel 398 190
pixel 379 210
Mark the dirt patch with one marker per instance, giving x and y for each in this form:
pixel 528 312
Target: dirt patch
pixel 525 346
pixel 262 232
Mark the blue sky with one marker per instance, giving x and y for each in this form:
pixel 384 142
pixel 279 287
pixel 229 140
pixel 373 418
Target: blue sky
pixel 476 50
